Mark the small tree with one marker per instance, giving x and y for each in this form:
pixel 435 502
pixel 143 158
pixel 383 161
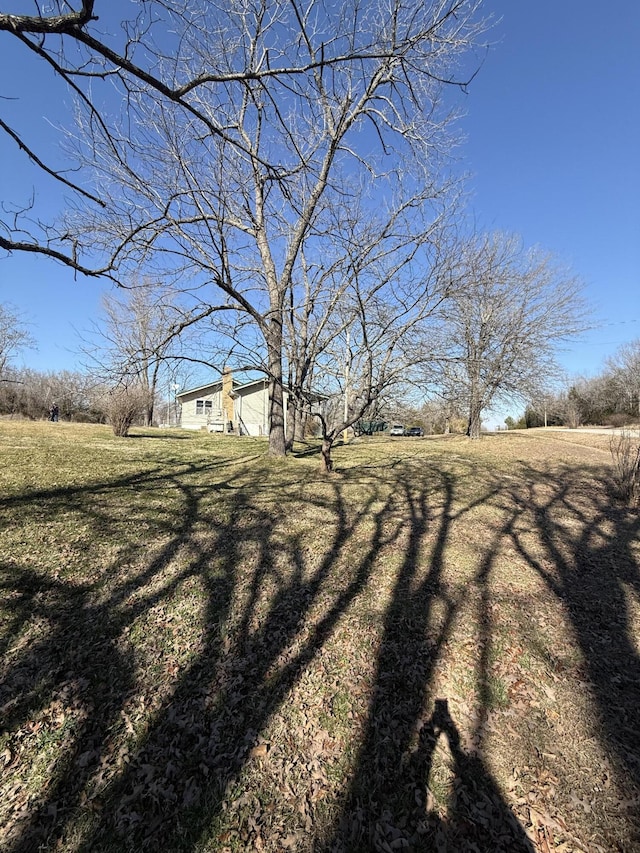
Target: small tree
pixel 366 349
pixel 510 423
pixel 123 406
pixel 625 453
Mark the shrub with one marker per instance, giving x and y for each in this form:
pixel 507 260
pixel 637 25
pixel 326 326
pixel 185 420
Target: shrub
pixel 625 453
pixel 619 419
pixel 122 406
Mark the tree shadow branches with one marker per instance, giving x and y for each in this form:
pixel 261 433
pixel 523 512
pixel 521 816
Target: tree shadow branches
pixel 144 718
pixel 154 696
pixel 389 803
pixel 73 668
pixel 585 547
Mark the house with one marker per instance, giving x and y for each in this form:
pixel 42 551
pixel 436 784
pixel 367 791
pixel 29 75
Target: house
pixel 227 406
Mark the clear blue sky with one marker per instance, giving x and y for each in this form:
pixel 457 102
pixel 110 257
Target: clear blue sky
pixel 552 147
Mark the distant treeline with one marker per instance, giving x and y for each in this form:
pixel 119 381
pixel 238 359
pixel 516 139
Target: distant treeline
pixel 30 394
pixel 611 398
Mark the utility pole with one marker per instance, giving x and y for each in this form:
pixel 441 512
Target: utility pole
pixel 172 404
pixel 346 388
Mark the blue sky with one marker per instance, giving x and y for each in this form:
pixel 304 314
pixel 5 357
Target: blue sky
pixel 552 147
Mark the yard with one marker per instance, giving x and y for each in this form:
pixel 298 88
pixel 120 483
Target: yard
pixel 435 648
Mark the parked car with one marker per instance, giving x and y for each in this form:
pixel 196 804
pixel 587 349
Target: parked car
pixel 397 429
pixel 414 431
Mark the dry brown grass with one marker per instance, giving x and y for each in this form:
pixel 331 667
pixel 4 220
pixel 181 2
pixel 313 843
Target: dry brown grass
pixel 207 650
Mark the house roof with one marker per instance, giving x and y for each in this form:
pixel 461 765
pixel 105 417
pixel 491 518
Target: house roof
pixel 217 385
pixel 237 388
pixel 210 386
pixel 247 385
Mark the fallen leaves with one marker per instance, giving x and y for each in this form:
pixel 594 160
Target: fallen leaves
pixel 259 751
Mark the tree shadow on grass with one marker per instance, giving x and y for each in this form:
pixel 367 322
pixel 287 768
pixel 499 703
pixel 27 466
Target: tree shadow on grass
pixel 158 784
pixel 158 433
pixel 151 766
pixel 71 678
pixel 389 805
pixel 590 561
pixel 302 450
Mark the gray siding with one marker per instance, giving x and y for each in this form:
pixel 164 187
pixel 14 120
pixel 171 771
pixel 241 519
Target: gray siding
pixel 205 416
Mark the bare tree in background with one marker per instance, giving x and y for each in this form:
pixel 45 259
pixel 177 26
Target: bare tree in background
pixel 625 458
pixel 14 337
pixel 624 368
pixel 137 344
pixel 501 327
pixel 30 393
pixel 244 134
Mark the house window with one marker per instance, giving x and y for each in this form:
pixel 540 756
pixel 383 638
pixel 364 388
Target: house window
pixel 203 406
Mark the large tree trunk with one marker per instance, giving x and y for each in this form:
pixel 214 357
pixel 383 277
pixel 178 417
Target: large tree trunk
pixel 148 407
pixel 292 410
pixel 473 428
pixel 327 444
pixel 300 425
pixel 277 444
pixel 296 423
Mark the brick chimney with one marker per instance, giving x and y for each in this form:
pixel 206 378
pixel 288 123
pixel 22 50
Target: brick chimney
pixel 227 398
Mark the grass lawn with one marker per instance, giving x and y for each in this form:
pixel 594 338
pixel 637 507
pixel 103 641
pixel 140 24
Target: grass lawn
pixel 203 649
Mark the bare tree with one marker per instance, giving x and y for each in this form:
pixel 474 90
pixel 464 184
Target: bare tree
pixel 625 458
pixel 122 406
pixel 624 368
pixel 14 337
pixel 30 394
pixel 138 341
pixel 249 131
pixel 511 309
pixel 364 347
